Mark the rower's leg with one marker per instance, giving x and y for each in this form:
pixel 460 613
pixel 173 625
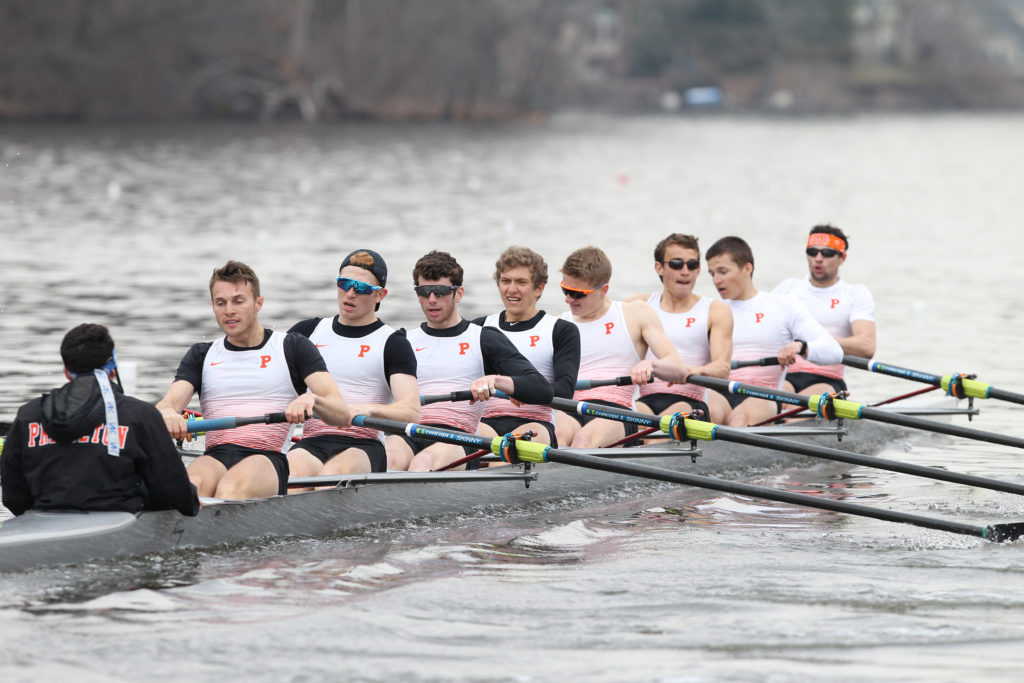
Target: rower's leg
pixel 752 411
pixel 436 456
pixel 253 477
pixel 566 428
pixel 302 463
pixel 398 451
pixel 718 407
pixel 599 432
pixel 820 388
pixel 349 461
pixel 205 472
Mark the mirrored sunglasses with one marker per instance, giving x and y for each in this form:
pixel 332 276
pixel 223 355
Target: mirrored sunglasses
pixel 347 283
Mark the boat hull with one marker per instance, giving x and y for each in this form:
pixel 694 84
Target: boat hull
pixel 40 538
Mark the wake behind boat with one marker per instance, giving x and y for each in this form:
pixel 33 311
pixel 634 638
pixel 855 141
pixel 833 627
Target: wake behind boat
pixel 40 538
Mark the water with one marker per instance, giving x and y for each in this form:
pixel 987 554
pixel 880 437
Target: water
pixel 123 226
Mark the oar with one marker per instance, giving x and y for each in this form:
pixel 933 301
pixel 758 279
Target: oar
pixel 757 362
pixel 683 429
pixel 624 381
pixel 827 406
pixel 537 452
pixel 211 424
pixel 954 385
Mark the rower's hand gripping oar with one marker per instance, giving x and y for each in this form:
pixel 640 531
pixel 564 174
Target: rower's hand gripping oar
pixel 830 408
pixel 200 425
pixel 528 451
pixel 957 385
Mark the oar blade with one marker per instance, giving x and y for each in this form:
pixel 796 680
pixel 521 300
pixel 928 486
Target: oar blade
pixel 1004 533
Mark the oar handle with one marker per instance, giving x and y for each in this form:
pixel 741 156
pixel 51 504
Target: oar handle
pixel 212 424
pixel 454 396
pixel 757 362
pixel 624 381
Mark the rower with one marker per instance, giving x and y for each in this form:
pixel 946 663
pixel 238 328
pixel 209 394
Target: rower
pixel 89 447
pixel 700 329
pixel 846 310
pixel 615 338
pixel 764 324
pixel 551 344
pixel 451 354
pixel 374 366
pixel 250 370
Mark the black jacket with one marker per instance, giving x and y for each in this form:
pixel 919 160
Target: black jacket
pixel 54 457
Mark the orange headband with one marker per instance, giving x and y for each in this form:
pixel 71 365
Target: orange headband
pixel 824 239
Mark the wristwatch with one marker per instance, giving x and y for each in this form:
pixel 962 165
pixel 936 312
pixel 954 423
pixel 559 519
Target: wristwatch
pixel 803 347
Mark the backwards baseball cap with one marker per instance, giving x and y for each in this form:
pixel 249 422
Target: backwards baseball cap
pixel 369 260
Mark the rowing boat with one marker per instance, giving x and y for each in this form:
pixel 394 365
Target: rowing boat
pixel 43 538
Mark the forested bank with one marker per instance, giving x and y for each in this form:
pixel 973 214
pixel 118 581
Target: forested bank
pixel 493 59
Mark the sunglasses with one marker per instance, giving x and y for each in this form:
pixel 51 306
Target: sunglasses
pixel 437 290
pixel 678 263
pixel 573 293
pixel 347 283
pixel 826 252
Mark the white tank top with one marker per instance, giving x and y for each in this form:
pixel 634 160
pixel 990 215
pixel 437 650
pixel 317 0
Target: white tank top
pixel 606 351
pixel 538 346
pixel 247 383
pixel 446 364
pixel 835 307
pixel 357 365
pixel 689 333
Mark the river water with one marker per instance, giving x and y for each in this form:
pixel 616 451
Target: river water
pixel 122 225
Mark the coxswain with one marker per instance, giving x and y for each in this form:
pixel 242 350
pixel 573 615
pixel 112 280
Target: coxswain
pixel 89 447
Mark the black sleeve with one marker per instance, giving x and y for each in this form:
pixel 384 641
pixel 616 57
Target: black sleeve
pixel 160 466
pixel 399 358
pixel 501 357
pixel 566 340
pixel 480 321
pixel 17 496
pixel 305 327
pixel 191 367
pixel 303 360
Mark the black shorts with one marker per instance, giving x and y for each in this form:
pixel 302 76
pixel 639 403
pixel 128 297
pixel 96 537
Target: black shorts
pixel 230 454
pixel 659 403
pixel 327 446
pixel 506 424
pixel 584 420
pixel 802 380
pixel 736 399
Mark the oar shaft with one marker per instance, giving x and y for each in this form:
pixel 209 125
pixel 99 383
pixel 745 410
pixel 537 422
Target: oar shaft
pixel 711 431
pixel 650 472
pixel 739 436
pixel 540 453
pixel 971 388
pixel 856 411
pixel 215 423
